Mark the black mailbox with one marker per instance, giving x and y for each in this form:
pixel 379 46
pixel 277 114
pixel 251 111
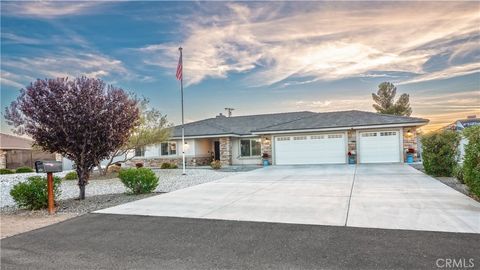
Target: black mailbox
pixel 48 166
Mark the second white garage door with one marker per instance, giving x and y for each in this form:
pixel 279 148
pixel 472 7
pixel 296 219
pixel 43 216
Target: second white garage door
pixel 379 146
pixel 310 149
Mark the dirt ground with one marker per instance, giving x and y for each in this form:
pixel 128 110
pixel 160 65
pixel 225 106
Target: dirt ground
pixel 15 224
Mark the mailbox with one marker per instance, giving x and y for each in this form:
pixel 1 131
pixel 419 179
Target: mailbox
pixel 48 166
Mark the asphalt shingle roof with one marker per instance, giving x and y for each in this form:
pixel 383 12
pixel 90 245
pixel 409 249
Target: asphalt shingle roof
pixel 245 125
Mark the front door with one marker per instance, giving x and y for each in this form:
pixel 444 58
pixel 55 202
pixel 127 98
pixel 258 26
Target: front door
pixel 216 146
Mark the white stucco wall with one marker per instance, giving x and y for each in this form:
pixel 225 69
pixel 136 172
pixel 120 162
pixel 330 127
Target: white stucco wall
pixel 237 160
pixel 203 147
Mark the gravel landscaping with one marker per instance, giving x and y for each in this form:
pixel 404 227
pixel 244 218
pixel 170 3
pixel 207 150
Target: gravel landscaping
pixel 170 180
pixel 100 194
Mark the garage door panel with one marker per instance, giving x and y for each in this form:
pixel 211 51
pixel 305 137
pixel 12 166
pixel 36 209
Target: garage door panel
pixel 313 149
pixel 379 146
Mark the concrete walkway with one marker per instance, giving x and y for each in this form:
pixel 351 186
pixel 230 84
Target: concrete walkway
pixel 391 196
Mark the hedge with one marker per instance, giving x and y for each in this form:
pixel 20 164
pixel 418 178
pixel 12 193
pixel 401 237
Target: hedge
pixel 440 152
pixel 471 162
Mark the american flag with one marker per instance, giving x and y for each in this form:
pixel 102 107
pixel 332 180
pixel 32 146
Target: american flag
pixel 180 67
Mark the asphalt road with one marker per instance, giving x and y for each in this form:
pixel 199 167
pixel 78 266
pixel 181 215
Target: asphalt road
pixel 102 241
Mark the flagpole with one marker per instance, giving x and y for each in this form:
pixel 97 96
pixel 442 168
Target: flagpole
pixel 183 123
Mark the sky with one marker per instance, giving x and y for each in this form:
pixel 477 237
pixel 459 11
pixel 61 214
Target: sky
pixel 256 57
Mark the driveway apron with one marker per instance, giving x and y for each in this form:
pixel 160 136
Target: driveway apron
pixel 391 196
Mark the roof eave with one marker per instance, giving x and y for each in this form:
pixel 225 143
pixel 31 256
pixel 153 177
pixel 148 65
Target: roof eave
pixel 259 132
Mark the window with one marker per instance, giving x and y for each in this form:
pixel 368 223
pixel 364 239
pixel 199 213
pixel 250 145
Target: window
pixel 299 138
pixel 140 151
pixel 388 133
pixel 283 139
pixel 168 149
pixel 316 137
pixel 250 147
pixel 334 136
pixel 369 134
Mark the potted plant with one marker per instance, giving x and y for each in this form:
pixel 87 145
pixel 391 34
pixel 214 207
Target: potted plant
pixel 265 161
pixel 352 158
pixel 410 155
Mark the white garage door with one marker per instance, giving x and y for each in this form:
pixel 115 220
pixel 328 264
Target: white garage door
pixel 310 149
pixel 379 146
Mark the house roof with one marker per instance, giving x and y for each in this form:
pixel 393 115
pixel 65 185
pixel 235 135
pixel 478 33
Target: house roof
pixel 343 119
pixel 469 122
pixel 305 120
pixel 9 142
pixel 237 125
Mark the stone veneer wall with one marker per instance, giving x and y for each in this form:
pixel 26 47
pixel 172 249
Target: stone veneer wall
pixel 157 162
pixel 3 159
pixel 352 142
pixel 226 151
pixel 266 146
pixel 410 141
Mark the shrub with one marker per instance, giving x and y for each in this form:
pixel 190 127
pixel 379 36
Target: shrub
pixel 114 168
pixel 71 176
pixel 6 171
pixel 458 173
pixel 471 162
pixel 139 181
pixel 24 170
pixel 216 164
pixel 33 193
pixel 440 152
pixel 165 165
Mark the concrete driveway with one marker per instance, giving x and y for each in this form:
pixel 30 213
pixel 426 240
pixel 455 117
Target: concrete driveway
pixel 391 196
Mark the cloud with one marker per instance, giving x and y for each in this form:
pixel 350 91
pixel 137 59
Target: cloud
pixel 16 39
pixel 326 41
pixel 65 63
pixel 450 72
pixel 48 9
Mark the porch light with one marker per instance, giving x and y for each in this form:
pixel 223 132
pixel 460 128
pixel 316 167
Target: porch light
pixel 267 141
pixel 409 133
pixel 186 147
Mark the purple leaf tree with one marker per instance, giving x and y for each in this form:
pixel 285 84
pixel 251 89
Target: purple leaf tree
pixel 81 119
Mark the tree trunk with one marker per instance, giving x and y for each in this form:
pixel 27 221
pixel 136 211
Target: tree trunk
pixel 82 192
pixel 83 176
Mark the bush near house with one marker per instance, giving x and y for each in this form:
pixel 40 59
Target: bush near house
pixel 114 168
pixel 33 193
pixel 71 176
pixel 471 162
pixel 440 152
pixel 216 164
pixel 138 181
pixel 167 165
pixel 24 170
pixel 6 171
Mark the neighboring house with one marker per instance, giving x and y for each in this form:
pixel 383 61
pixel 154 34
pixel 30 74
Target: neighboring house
pixel 459 126
pixel 17 152
pixel 290 138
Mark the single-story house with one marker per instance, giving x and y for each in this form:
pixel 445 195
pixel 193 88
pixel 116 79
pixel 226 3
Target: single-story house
pixel 290 138
pixel 16 151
